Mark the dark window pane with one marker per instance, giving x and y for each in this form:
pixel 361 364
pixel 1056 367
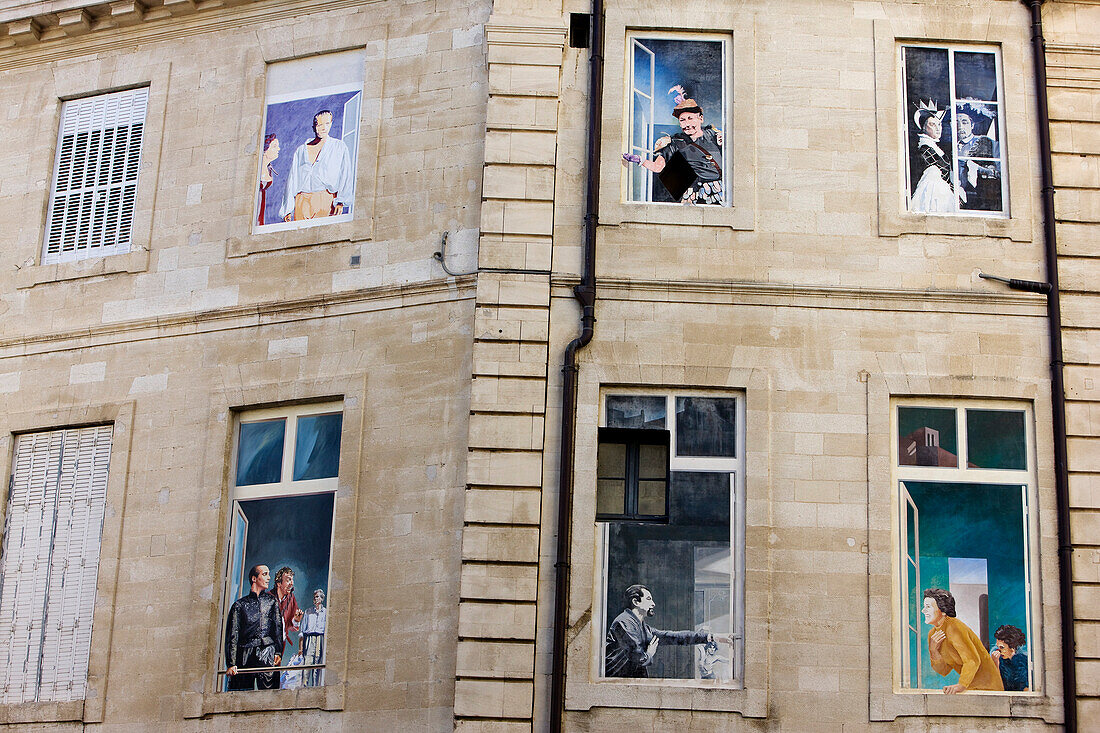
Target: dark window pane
pixel 706 426
pixel 979 151
pixel 629 411
pixel 611 460
pixel 927 437
pixel 652 461
pixel 995 439
pixel 317 449
pixel 651 498
pixel 611 496
pixel 975 76
pixel 260 452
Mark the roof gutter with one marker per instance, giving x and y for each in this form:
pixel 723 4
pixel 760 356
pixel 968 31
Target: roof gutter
pixel 585 293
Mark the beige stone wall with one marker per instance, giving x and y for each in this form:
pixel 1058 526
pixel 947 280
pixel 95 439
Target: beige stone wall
pixel 1073 60
pixel 204 319
pixel 819 301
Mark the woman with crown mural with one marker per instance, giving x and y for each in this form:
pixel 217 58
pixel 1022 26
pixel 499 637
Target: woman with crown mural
pixel 935 193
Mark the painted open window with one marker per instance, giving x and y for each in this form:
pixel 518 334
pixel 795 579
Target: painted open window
pixel 279 548
pixel 965 486
pixel 954 138
pixel 672 580
pixel 677 108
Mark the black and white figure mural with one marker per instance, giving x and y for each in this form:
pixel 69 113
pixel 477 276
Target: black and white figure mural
pixel 676 109
pixel 669 512
pixel 953 131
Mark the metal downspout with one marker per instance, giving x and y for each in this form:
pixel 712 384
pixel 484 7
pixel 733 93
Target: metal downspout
pixel 585 293
pixel 1057 386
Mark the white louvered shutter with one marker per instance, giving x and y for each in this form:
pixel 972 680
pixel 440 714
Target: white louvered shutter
pixel 50 563
pixel 95 178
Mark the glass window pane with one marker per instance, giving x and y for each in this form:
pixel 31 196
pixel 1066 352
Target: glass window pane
pixel 995 439
pixel 652 461
pixel 610 496
pixel 706 426
pixel 317 447
pixel 260 452
pixel 611 460
pixel 651 498
pixel 976 76
pixel 979 167
pixel 632 411
pixel 927 436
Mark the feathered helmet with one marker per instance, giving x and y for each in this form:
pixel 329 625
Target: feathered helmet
pixel 926 110
pixel 683 104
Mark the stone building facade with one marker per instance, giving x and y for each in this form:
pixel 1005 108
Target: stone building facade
pixel 776 350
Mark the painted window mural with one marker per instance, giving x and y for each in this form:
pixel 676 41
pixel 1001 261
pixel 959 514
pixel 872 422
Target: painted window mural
pixel 964 498
pixel 280 547
pixel 670 518
pixel 310 142
pixel 954 131
pixel 676 112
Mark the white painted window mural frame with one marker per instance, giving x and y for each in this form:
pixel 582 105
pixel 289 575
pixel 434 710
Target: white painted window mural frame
pixel 285 504
pixel 290 184
pixel 693 664
pixel 951 500
pixel 651 75
pixel 974 181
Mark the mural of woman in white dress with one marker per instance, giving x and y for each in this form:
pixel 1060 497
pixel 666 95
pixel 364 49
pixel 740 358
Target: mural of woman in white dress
pixel 935 192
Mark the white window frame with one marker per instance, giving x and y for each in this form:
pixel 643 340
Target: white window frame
pixel 949 128
pixel 735 467
pixel 284 488
pixel 72 465
pixel 65 240
pixel 723 122
pixel 1025 478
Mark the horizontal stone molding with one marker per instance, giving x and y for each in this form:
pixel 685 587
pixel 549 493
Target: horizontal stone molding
pixel 248 316
pixel 991 301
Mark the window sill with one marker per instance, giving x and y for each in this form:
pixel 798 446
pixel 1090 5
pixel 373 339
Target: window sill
pixel 896 223
pixel 309 236
pixel 134 261
pixel 890 706
pixel 202 704
pixel 42 712
pixel 667 694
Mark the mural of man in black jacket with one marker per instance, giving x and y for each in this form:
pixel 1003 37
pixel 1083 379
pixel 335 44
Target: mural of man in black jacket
pixel 631 643
pixel 254 635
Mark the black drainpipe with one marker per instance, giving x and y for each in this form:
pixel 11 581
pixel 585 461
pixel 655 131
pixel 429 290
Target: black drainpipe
pixel 1057 386
pixel 585 293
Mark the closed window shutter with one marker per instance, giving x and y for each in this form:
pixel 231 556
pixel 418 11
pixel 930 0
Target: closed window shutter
pixel 51 560
pixel 95 178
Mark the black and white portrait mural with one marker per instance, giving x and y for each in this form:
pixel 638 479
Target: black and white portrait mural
pixel 954 131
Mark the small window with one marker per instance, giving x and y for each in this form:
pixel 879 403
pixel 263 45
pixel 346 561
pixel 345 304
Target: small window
pixel 632 475
pixel 965 550
pixel 676 111
pixel 57 498
pixel 671 529
pixel 282 505
pixel 954 140
pixel 95 176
